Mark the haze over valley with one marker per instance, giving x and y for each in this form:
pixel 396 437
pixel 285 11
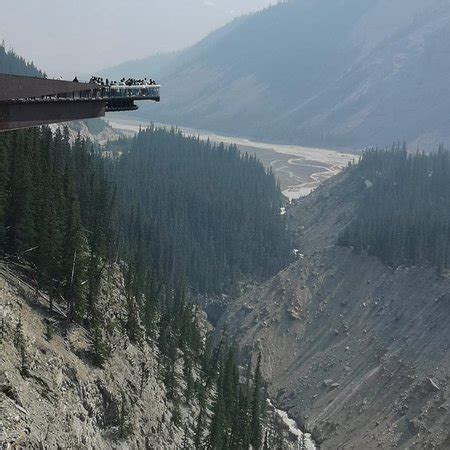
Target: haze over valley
pixel 229 228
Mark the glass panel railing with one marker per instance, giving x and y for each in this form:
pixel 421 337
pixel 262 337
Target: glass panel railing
pixel 139 91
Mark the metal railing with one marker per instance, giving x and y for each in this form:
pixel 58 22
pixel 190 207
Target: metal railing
pixel 138 92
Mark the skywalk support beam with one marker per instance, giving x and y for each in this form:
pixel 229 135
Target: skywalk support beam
pixel 32 101
pixel 14 116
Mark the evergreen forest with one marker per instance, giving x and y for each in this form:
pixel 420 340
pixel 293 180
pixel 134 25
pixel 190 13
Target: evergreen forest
pixel 177 216
pixel 194 210
pixel 404 217
pixel 65 211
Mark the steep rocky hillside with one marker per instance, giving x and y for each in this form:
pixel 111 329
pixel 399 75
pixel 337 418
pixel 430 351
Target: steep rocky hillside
pixel 347 73
pixel 52 395
pixel 95 130
pixel 356 351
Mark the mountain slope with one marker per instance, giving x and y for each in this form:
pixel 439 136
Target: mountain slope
pixel 102 343
pixel 51 395
pixel 317 73
pixel 355 350
pixel 118 289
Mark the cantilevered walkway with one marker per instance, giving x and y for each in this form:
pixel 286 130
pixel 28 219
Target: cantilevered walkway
pixel 31 101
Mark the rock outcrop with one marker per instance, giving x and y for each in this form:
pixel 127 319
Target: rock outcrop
pixel 96 130
pixel 52 396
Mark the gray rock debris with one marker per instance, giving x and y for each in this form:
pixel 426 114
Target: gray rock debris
pixel 64 401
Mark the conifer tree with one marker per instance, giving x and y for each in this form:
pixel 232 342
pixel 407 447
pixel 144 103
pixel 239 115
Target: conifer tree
pixel 257 405
pixel 100 350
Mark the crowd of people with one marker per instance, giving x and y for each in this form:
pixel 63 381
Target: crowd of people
pixel 123 82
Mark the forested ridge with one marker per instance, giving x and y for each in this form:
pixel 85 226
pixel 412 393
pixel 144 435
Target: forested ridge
pixel 405 216
pixel 61 212
pixel 13 64
pixel 197 210
pixel 55 211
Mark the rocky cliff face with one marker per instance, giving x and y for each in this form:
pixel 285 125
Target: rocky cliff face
pixel 51 396
pixel 357 352
pixel 96 130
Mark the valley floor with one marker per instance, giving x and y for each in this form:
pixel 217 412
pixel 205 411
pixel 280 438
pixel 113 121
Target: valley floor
pixel 298 169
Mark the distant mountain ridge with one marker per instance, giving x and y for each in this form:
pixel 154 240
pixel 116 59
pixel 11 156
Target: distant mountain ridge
pixel 344 74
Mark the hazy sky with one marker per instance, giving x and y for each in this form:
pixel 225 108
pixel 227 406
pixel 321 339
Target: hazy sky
pixel 80 36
